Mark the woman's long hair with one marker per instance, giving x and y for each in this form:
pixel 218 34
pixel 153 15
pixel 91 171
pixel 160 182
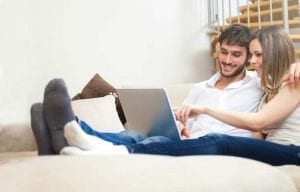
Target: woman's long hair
pixel 277 56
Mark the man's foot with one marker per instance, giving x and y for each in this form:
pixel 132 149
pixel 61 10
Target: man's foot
pixel 75 136
pixel 57 112
pixel 107 150
pixel 40 130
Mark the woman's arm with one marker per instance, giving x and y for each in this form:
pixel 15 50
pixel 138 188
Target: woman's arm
pixel 283 104
pixel 255 121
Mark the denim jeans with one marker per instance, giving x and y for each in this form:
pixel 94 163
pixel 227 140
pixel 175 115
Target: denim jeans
pixel 212 144
pixel 122 138
pixel 219 144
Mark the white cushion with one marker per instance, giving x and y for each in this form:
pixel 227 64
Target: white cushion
pixel 100 113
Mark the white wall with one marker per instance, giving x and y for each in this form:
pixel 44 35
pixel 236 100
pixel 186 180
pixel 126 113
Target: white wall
pixel 132 42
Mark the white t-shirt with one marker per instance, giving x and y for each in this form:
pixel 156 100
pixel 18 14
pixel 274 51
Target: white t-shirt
pixel 243 96
pixel 284 132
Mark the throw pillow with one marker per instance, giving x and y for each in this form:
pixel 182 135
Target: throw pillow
pixel 98 87
pixel 100 113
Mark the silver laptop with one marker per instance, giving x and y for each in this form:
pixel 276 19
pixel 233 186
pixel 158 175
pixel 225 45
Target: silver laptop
pixel 148 111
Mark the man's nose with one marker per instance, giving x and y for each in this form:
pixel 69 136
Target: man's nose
pixel 228 58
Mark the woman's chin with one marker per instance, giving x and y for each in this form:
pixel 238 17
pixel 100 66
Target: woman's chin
pixel 258 71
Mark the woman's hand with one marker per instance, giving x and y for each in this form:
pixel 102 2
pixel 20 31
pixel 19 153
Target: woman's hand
pixel 184 112
pixel 293 76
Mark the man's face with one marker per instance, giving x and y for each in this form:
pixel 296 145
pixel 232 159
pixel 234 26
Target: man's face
pixel 232 60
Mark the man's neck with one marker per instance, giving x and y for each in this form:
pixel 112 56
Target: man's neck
pixel 223 82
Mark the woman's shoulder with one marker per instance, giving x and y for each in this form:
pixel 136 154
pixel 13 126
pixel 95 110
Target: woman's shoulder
pixel 292 90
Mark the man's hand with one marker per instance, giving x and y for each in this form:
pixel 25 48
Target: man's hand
pixel 184 131
pixel 293 76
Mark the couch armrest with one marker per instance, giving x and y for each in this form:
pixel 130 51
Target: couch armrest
pixel 17 137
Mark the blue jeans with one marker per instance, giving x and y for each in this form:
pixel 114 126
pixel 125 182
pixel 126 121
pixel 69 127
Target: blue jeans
pixel 122 138
pixel 219 144
pixel 212 144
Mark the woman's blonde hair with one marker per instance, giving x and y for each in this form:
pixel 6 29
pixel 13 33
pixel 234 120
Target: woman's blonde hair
pixel 277 56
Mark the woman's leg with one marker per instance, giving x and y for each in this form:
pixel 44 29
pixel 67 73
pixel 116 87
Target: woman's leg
pixel 217 144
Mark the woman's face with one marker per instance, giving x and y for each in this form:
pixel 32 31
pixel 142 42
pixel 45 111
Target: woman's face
pixel 256 55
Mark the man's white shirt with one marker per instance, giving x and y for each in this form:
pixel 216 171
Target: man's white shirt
pixel 242 96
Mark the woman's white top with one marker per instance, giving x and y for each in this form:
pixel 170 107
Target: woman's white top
pixel 285 132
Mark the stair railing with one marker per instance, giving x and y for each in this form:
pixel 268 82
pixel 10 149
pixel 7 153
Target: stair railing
pixel 219 10
pixel 285 15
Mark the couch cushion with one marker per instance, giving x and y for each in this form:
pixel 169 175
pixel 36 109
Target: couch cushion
pixel 294 172
pixel 100 113
pixel 145 173
pixel 12 156
pixel 178 92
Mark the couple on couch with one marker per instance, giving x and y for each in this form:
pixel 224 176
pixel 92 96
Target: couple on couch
pixel 236 91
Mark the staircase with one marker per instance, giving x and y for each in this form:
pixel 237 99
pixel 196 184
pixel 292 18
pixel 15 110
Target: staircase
pixel 257 14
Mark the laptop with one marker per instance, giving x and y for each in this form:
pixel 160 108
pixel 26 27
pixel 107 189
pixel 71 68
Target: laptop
pixel 148 111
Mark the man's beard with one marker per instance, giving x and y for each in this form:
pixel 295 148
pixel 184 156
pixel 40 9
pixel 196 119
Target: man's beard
pixel 235 73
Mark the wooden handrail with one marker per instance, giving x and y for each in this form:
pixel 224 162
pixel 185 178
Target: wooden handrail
pixel 214 39
pixel 254 6
pixel 292 23
pixel 295 37
pixel 252 15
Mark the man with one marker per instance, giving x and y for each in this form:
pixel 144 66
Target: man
pixel 233 88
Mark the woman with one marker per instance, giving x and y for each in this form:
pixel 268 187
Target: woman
pixel 272 53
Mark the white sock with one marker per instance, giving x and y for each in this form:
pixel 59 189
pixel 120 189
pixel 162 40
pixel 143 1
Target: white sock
pixel 75 136
pixel 106 150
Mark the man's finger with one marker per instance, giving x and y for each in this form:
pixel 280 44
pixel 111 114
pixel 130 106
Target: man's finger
pixel 175 108
pixel 185 132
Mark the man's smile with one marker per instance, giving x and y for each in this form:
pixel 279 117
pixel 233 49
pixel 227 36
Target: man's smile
pixel 228 67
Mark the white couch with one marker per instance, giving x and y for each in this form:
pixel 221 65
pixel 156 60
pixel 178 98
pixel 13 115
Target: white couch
pixel 22 170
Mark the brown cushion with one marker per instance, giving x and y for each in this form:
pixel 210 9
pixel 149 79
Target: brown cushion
pixel 98 87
